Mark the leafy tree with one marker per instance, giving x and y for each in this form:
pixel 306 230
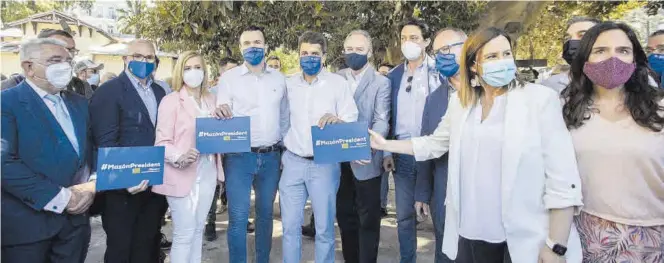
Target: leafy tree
pixel 132 17
pixel 12 10
pixel 543 39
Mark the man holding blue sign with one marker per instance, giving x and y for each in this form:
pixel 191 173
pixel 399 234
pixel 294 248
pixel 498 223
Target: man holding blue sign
pixel 316 97
pixel 251 90
pixel 358 200
pixel 123 113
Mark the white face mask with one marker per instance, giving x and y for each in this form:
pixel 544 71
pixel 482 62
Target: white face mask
pixel 193 77
pixel 93 79
pixel 59 75
pixel 411 50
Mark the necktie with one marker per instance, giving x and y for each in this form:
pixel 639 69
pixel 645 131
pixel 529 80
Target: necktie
pixel 63 119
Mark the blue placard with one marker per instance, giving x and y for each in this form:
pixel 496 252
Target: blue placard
pixel 341 142
pixel 223 136
pixel 124 167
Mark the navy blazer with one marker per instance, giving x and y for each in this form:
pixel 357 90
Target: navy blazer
pixel 434 110
pixel 119 117
pixel 395 76
pixel 37 161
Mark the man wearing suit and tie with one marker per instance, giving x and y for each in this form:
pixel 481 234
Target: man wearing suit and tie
pixel 45 160
pixel 123 113
pixel 358 198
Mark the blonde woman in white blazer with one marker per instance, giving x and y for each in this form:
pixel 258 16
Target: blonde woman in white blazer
pixel 513 185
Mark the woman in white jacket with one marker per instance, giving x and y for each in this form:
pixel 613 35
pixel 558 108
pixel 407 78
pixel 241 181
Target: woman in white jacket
pixel 513 185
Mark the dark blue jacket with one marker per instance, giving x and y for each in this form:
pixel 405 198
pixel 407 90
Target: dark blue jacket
pixel 119 117
pixel 38 160
pixel 434 110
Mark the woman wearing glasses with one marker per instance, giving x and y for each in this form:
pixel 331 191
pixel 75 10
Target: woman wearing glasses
pixel 191 177
pixel 513 185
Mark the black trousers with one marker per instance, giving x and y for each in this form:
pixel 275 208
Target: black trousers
pixel 70 245
pixel 476 251
pixel 358 216
pixel 132 224
pixel 212 215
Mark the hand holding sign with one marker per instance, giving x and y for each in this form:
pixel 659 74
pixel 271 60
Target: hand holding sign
pixel 328 119
pixel 377 140
pixel 188 158
pixel 341 142
pixel 223 112
pixel 139 188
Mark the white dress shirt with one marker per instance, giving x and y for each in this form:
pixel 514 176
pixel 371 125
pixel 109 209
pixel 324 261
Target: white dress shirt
pixel 328 93
pixel 354 80
pixel 480 178
pixel 411 104
pixel 262 97
pixel 60 201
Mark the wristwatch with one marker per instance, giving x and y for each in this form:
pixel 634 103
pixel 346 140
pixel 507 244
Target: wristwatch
pixel 559 249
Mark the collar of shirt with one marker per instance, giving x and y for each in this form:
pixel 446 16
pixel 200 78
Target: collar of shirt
pixel 42 93
pixel 244 70
pixel 137 84
pixel 320 77
pixel 429 62
pixel 357 77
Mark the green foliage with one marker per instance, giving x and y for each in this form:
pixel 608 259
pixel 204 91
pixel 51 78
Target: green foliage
pixel 12 10
pixel 543 39
pixel 289 60
pixel 214 27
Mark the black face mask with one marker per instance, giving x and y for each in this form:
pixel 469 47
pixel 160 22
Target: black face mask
pixel 569 50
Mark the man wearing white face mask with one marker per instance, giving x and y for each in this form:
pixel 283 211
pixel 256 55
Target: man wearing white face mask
pixel 251 90
pixel 45 156
pixel 88 71
pixel 411 83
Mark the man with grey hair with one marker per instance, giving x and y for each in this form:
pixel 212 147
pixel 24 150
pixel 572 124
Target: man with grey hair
pixel 45 158
pixel 576 28
pixel 358 198
pixel 123 113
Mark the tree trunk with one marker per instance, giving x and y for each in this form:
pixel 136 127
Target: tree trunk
pixel 500 13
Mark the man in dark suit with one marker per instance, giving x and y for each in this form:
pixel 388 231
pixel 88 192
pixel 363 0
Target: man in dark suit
pixel 431 183
pixel 45 161
pixel 123 113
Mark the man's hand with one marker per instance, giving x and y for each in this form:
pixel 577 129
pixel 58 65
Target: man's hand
pixel 139 188
pixel 79 201
pixel 388 163
pixel 422 211
pixel 546 255
pixel 188 158
pixel 328 119
pixel 90 186
pixel 223 112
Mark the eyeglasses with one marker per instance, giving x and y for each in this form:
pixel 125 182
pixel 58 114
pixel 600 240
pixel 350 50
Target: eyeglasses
pixel 148 58
pixel 658 50
pixel 409 80
pixel 73 51
pixel 447 49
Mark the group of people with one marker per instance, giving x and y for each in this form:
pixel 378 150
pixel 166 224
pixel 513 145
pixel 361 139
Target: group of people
pixel 508 171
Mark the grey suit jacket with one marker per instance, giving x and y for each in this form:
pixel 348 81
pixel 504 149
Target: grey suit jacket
pixel 372 98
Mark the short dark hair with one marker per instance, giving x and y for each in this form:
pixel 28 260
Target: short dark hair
pixel 156 62
pixel 426 33
pixel 579 19
pixel 46 33
pixel 385 65
pixel 227 60
pixel 657 33
pixel 311 37
pixel 254 28
pixel 273 58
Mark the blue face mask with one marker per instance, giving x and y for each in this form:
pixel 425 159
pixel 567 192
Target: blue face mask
pixel 141 69
pixel 356 61
pixel 656 62
pixel 253 55
pixel 446 64
pixel 499 73
pixel 310 65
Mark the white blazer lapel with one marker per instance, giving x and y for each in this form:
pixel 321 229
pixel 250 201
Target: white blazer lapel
pixel 514 131
pixel 455 157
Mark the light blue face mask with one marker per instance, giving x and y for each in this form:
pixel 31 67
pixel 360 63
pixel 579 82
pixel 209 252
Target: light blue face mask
pixel 499 73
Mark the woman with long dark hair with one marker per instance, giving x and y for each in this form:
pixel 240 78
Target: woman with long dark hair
pixel 615 118
pixel 513 185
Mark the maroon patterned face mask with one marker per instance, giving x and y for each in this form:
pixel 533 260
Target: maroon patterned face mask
pixel 610 73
